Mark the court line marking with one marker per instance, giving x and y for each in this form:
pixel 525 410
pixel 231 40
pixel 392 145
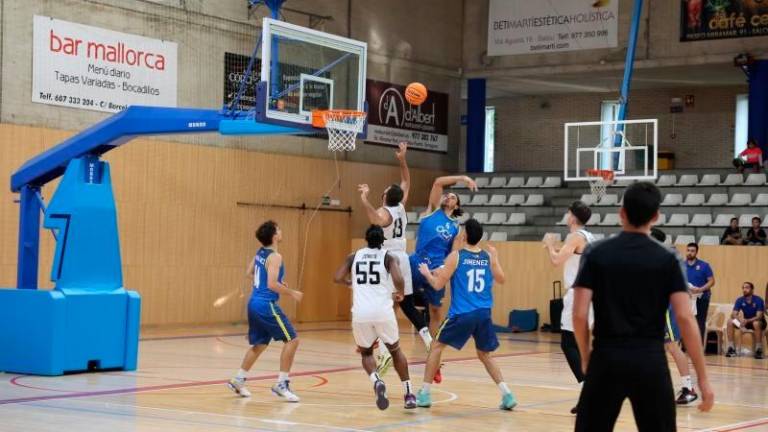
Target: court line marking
pixel 217 382
pixel 738 426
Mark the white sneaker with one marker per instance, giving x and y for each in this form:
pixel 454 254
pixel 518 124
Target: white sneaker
pixel 238 386
pixel 283 390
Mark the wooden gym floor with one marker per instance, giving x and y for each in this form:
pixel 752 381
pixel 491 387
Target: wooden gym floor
pixel 179 386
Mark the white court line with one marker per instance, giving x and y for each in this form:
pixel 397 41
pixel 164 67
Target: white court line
pixel 236 417
pixel 745 424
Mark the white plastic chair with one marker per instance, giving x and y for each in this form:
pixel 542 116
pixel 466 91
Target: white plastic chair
pixel 688 180
pixel 701 220
pixel 709 180
pixel 552 182
pixel 516 219
pixel 478 200
pixel 717 199
pixel 534 200
pixel 498 236
pixel 497 182
pixel 497 218
pixel 497 200
pixel 481 217
pixel 709 240
pixel 733 180
pixel 678 219
pixel 740 199
pixel 760 200
pixel 672 200
pixel 684 239
pixel 723 220
pixel 610 219
pixel 588 199
pixel 481 182
pixel 515 182
pixel 534 182
pixel 666 180
pixel 609 200
pixel 694 199
pixel 516 200
pixel 755 180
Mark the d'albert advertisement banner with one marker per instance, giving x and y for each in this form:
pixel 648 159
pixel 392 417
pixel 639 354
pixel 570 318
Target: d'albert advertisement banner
pixel 86 67
pixel 539 26
pixel 391 119
pixel 721 19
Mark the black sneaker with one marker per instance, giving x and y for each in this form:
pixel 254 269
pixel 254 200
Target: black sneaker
pixel 759 354
pixel 686 396
pixel 731 352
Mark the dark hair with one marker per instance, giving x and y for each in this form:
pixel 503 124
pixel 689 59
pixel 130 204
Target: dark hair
pixel 751 141
pixel 374 235
pixel 734 219
pixel 693 245
pixel 758 219
pixel 581 211
pixel 641 202
pixel 394 195
pixel 474 231
pixel 658 234
pixel 266 232
pixel 751 285
pixel 457 211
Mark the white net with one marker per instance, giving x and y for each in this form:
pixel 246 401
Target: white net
pixel 343 128
pixel 599 183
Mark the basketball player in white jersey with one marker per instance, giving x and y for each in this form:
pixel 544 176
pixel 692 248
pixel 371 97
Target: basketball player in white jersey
pixel 375 272
pixel 569 255
pixel 391 216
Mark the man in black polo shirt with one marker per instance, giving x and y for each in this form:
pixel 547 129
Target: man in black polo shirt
pixel 631 279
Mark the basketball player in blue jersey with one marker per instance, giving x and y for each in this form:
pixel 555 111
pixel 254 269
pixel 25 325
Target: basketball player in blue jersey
pixel 436 238
pixel 266 321
pixel 472 272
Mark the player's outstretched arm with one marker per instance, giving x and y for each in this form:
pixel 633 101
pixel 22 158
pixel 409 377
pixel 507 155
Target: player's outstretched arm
pixel 342 273
pixel 273 272
pixel 440 183
pixel 689 330
pixel 393 267
pixel 249 271
pixel 498 273
pixel 558 257
pixel 439 277
pixel 405 174
pixel 380 217
pixel 582 297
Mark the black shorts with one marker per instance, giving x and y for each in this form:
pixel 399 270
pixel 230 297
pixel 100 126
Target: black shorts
pixel 751 325
pixel 615 374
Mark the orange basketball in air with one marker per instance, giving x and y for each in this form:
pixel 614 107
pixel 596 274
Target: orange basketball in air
pixel 416 93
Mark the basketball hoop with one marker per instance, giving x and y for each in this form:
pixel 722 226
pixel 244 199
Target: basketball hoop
pixel 343 126
pixel 598 181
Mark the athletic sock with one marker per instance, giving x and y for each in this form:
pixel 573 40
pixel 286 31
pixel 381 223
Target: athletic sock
pixel 374 377
pixel 282 377
pixel 425 388
pixel 407 386
pixel 504 388
pixel 241 374
pixel 687 382
pixel 425 336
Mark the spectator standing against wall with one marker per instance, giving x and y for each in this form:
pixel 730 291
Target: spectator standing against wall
pixel 756 235
pixel 701 277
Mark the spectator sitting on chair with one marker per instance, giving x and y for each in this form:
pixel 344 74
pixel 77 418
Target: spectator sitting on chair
pixel 732 234
pixel 756 235
pixel 751 308
pixel 751 157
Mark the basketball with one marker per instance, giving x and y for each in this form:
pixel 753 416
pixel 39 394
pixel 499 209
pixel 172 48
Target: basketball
pixel 416 93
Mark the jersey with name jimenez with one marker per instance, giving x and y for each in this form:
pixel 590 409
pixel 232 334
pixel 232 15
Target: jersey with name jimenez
pixel 261 291
pixel 435 238
pixel 371 287
pixel 471 283
pixel 394 233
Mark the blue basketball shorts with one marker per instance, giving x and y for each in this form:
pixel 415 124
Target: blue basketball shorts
pixel 420 285
pixel 457 329
pixel 671 330
pixel 266 321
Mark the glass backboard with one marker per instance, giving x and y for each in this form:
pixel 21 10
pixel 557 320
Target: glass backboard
pixel 304 70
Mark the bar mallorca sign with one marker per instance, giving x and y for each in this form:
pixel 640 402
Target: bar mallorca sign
pixel 391 119
pixel 722 19
pixel 80 66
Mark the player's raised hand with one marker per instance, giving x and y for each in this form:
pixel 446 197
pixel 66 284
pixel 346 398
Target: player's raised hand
pixel 470 184
pixel 492 252
pixel 364 190
pixel 549 239
pixel 402 148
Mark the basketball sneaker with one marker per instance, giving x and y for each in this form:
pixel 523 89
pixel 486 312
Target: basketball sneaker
pixel 423 399
pixel 759 354
pixel 731 352
pixel 237 385
pixel 381 395
pixel 383 363
pixel 283 390
pixel 686 396
pixel 410 401
pixel 508 402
